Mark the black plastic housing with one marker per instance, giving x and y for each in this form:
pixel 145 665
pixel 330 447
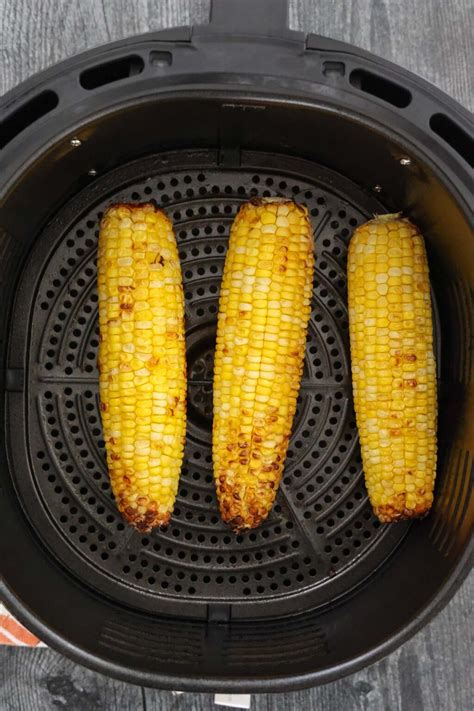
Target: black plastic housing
pixel 225 111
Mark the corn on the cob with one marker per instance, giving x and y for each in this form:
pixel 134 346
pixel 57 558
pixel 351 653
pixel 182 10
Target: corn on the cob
pixel 393 365
pixel 265 306
pixel 141 361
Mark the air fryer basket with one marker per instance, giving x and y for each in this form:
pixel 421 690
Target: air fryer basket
pixel 200 120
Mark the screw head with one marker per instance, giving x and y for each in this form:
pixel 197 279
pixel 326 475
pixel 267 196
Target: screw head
pixel 377 188
pixel 75 142
pixel 92 172
pixel 405 161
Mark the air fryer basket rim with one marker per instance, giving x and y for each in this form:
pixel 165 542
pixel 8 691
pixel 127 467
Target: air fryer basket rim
pixel 201 683
pixel 410 130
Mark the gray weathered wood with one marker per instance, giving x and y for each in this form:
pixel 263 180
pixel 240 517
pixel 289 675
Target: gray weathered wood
pixel 40 679
pixel 434 670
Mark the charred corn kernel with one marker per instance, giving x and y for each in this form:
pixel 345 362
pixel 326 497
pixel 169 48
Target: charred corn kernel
pixel 259 355
pixel 393 366
pixel 141 361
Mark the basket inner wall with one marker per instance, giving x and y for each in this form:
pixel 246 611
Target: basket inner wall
pixel 321 541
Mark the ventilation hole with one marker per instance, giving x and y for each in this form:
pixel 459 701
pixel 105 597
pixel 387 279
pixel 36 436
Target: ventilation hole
pixel 454 136
pixel 26 115
pixel 380 87
pixel 103 74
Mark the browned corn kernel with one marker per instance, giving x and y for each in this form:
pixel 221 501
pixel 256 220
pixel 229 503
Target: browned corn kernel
pixel 142 361
pixel 265 304
pixel 393 365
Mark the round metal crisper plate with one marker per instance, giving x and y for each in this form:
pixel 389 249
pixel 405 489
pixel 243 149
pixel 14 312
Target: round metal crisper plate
pixel 321 539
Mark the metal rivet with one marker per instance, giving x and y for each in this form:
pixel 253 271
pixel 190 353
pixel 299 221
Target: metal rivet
pixel 405 161
pixel 92 172
pixel 377 188
pixel 75 142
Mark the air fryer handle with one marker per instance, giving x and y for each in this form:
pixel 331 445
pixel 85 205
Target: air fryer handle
pixel 262 17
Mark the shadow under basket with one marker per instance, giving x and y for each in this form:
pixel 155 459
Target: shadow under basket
pixel 200 121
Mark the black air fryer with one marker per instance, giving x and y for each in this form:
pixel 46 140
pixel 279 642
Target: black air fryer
pixel 202 119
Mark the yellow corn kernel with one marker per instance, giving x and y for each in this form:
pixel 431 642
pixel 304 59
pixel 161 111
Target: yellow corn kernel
pixel 259 355
pixel 393 366
pixel 135 373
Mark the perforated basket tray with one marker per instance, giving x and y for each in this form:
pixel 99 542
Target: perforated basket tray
pixel 321 538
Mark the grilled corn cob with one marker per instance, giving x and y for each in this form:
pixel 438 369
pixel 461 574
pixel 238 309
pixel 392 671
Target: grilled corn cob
pixel 141 361
pixel 393 365
pixel 261 336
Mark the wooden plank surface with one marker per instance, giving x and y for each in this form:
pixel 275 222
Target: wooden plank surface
pixel 434 670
